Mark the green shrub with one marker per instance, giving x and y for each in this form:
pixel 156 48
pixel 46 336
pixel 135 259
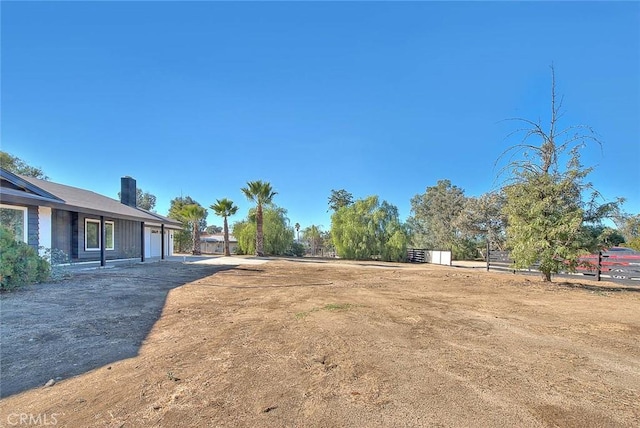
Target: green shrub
pixel 633 243
pixel 59 263
pixel 297 249
pixel 19 263
pixel 464 249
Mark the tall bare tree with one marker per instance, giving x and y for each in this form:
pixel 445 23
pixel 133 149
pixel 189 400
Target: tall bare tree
pixel 544 193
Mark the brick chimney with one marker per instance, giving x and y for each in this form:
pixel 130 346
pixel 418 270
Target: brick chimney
pixel 128 195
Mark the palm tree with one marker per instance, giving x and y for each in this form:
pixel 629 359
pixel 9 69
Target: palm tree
pixel 193 213
pixel 225 208
pixel 312 234
pixel 261 193
pixel 297 226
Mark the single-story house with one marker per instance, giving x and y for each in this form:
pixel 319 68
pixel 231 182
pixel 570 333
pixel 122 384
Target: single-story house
pixel 214 244
pixel 85 226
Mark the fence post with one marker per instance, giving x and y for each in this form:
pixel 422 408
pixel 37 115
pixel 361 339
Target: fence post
pixel 488 250
pixel 599 265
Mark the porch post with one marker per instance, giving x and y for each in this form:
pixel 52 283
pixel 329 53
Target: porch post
pixel 103 242
pixel 142 241
pixel 162 241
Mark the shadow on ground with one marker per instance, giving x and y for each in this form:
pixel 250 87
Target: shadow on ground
pixel 59 330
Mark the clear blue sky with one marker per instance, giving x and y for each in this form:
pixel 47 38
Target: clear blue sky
pixel 380 98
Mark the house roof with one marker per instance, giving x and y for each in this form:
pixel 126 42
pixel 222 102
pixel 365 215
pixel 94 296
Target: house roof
pixel 171 222
pixel 9 195
pixel 216 238
pixel 29 190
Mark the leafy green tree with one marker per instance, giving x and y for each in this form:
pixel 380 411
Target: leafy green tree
pixel 193 214
pixel 367 229
pixel 213 229
pixel 245 233
pixel 313 236
pixel 278 234
pixel 327 244
pixel 481 220
pixel 18 166
pixel 144 200
pixel 545 222
pixel 225 208
pixel 433 217
pixel 598 237
pixel 261 193
pixel 182 240
pixel 629 227
pixel 544 200
pixel 297 249
pixel 633 243
pixel 339 198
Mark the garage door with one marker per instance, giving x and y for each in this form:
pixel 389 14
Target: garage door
pixel 152 242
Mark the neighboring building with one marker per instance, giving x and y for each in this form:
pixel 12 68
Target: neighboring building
pixel 214 244
pixel 86 226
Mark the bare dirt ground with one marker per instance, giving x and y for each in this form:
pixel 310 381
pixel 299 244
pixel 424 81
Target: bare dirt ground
pixel 58 330
pixel 304 344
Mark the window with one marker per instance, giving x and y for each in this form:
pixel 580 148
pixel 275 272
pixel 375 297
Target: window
pixel 15 219
pixel 108 227
pixel 92 235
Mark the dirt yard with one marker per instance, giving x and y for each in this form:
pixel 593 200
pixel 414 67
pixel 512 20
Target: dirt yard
pixel 305 344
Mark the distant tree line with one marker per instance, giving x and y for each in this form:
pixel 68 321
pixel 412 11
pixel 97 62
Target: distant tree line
pixel 545 211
